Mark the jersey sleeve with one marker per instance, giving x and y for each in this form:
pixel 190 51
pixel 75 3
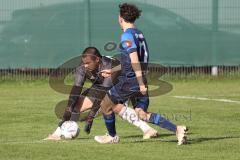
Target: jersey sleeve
pixel 128 43
pixel 77 87
pixel 80 76
pixel 109 63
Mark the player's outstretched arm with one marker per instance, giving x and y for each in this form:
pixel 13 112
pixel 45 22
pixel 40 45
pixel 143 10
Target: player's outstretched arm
pixel 108 72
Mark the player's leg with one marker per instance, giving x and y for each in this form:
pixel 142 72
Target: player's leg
pixel 119 95
pixel 73 113
pixel 107 105
pixel 90 98
pixel 129 114
pixel 109 118
pixel 87 104
pixel 141 104
pixel 82 105
pixel 97 94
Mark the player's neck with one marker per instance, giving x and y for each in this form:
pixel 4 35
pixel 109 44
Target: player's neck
pixel 128 25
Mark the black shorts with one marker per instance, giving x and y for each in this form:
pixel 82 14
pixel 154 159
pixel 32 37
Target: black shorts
pixel 95 93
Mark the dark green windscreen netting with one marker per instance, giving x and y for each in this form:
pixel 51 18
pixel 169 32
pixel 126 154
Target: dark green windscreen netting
pixel 47 33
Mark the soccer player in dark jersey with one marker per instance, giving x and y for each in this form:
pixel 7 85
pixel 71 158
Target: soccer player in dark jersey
pixel 132 81
pixel 92 65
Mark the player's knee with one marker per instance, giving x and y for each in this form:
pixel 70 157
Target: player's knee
pixel 141 113
pixel 117 108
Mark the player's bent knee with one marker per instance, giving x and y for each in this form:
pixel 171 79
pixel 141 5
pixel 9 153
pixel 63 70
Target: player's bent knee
pixel 141 114
pixel 117 108
pixel 106 105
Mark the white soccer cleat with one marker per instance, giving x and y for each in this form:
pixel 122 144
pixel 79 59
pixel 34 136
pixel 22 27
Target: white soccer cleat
pixel 107 139
pixel 181 134
pixel 52 137
pixel 151 133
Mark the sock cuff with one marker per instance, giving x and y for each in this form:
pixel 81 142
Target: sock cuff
pixel 155 118
pixel 109 117
pixel 75 116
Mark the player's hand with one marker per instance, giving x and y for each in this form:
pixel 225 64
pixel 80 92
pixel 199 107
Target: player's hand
pixel 143 89
pixel 106 73
pixel 88 126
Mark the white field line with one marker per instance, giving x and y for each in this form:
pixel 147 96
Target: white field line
pixel 33 142
pixel 21 142
pixel 83 141
pixel 207 99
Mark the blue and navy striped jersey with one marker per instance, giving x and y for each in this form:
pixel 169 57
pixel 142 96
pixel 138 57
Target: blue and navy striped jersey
pixel 132 40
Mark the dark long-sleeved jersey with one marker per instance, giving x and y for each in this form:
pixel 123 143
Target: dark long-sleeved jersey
pixel 81 75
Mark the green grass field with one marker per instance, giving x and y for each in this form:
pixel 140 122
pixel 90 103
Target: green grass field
pixel 27 116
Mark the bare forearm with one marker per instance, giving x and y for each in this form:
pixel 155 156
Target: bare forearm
pixel 138 73
pixel 137 68
pixel 116 69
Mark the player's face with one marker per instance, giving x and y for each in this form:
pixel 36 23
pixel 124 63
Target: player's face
pixel 89 63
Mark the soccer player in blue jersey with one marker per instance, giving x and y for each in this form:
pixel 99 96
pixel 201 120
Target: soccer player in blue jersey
pixel 132 81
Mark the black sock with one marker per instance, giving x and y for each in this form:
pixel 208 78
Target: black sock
pixel 75 116
pixel 110 124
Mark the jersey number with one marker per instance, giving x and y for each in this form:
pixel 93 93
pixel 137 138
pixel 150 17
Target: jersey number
pixel 143 47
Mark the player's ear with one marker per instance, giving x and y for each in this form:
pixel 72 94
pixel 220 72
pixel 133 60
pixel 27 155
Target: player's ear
pixel 97 59
pixel 119 19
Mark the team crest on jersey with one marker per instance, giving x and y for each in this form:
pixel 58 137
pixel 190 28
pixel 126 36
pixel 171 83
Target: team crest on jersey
pixel 127 43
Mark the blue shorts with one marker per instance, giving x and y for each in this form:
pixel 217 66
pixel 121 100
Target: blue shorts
pixel 124 89
pixel 141 101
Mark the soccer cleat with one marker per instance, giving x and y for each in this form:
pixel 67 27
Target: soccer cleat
pixel 107 139
pixel 151 133
pixel 181 134
pixel 52 137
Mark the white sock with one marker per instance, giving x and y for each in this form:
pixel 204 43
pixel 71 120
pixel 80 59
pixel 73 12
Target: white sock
pixel 57 132
pixel 131 116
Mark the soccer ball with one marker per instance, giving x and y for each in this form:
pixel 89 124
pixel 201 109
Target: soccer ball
pixel 69 130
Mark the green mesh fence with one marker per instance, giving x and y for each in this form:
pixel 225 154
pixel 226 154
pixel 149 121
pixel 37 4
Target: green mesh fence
pixel 47 33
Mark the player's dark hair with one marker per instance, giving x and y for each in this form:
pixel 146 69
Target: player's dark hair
pixel 129 12
pixel 91 51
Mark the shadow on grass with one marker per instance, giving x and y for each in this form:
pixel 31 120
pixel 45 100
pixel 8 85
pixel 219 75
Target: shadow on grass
pixel 160 138
pixel 204 139
pixel 138 139
pixel 140 136
pixel 83 138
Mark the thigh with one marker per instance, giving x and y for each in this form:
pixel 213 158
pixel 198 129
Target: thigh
pixel 95 93
pixel 88 97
